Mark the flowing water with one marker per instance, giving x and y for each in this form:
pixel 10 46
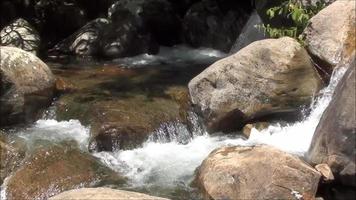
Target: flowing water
pixel 165 164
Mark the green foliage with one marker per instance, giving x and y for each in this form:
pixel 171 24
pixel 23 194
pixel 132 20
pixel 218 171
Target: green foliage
pixel 294 11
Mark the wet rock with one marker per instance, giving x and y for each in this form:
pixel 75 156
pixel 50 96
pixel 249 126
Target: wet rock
pixel 246 130
pixel 325 171
pixel 330 36
pixel 268 77
pixel 22 35
pixel 103 194
pixel 26 85
pixel 250 33
pixel 85 41
pixel 122 106
pixel 64 86
pixel 334 143
pixel 126 37
pixel 259 172
pixel 52 170
pixel 215 24
pixel 154 16
pixel 11 156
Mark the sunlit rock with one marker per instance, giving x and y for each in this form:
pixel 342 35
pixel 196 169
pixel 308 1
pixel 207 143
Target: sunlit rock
pixel 268 77
pixel 259 172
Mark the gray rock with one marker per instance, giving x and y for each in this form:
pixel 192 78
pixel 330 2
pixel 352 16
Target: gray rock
pixel 22 35
pixel 334 139
pixel 26 85
pixel 267 77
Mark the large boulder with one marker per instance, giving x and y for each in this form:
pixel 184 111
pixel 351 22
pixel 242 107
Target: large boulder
pixel 103 194
pixel 330 36
pixel 215 24
pixel 85 41
pixel 26 85
pixel 259 172
pixel 54 169
pixel 126 37
pixel 334 139
pixel 22 35
pixel 154 16
pixel 268 77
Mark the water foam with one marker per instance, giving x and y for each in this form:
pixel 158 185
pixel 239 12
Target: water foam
pixel 178 55
pixel 56 131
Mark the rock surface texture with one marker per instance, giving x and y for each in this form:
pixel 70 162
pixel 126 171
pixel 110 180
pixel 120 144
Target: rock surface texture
pixel 334 139
pixel 26 85
pixel 330 36
pixel 51 170
pixel 22 35
pixel 103 194
pixel 259 172
pixel 267 77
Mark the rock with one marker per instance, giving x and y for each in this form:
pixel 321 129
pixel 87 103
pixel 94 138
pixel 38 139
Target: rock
pixel 85 41
pixel 26 85
pixel 246 131
pixel 123 107
pixel 154 16
pixel 54 169
pixel 11 156
pixel 22 35
pixel 325 171
pixel 259 172
pixel 59 19
pixel 215 24
pixel 126 37
pixel 103 194
pixel 250 33
pixel 334 143
pixel 64 86
pixel 268 77
pixel 330 36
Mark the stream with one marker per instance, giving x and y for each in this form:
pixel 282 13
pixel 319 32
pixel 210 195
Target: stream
pixel 164 165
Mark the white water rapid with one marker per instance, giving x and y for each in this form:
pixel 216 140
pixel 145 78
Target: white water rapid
pixel 169 164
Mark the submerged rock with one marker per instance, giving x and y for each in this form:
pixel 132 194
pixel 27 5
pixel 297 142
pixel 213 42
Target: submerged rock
pixel 11 156
pixel 215 24
pixel 268 77
pixel 259 172
pixel 330 36
pixel 26 85
pixel 103 194
pixel 52 170
pixel 122 106
pixel 334 139
pixel 22 35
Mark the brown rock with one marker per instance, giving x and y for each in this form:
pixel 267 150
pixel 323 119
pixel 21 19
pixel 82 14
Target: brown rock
pixel 52 170
pixel 268 77
pixel 103 194
pixel 330 36
pixel 259 172
pixel 63 86
pixel 246 130
pixel 325 171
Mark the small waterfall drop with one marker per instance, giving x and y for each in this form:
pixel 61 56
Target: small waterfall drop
pixel 170 164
